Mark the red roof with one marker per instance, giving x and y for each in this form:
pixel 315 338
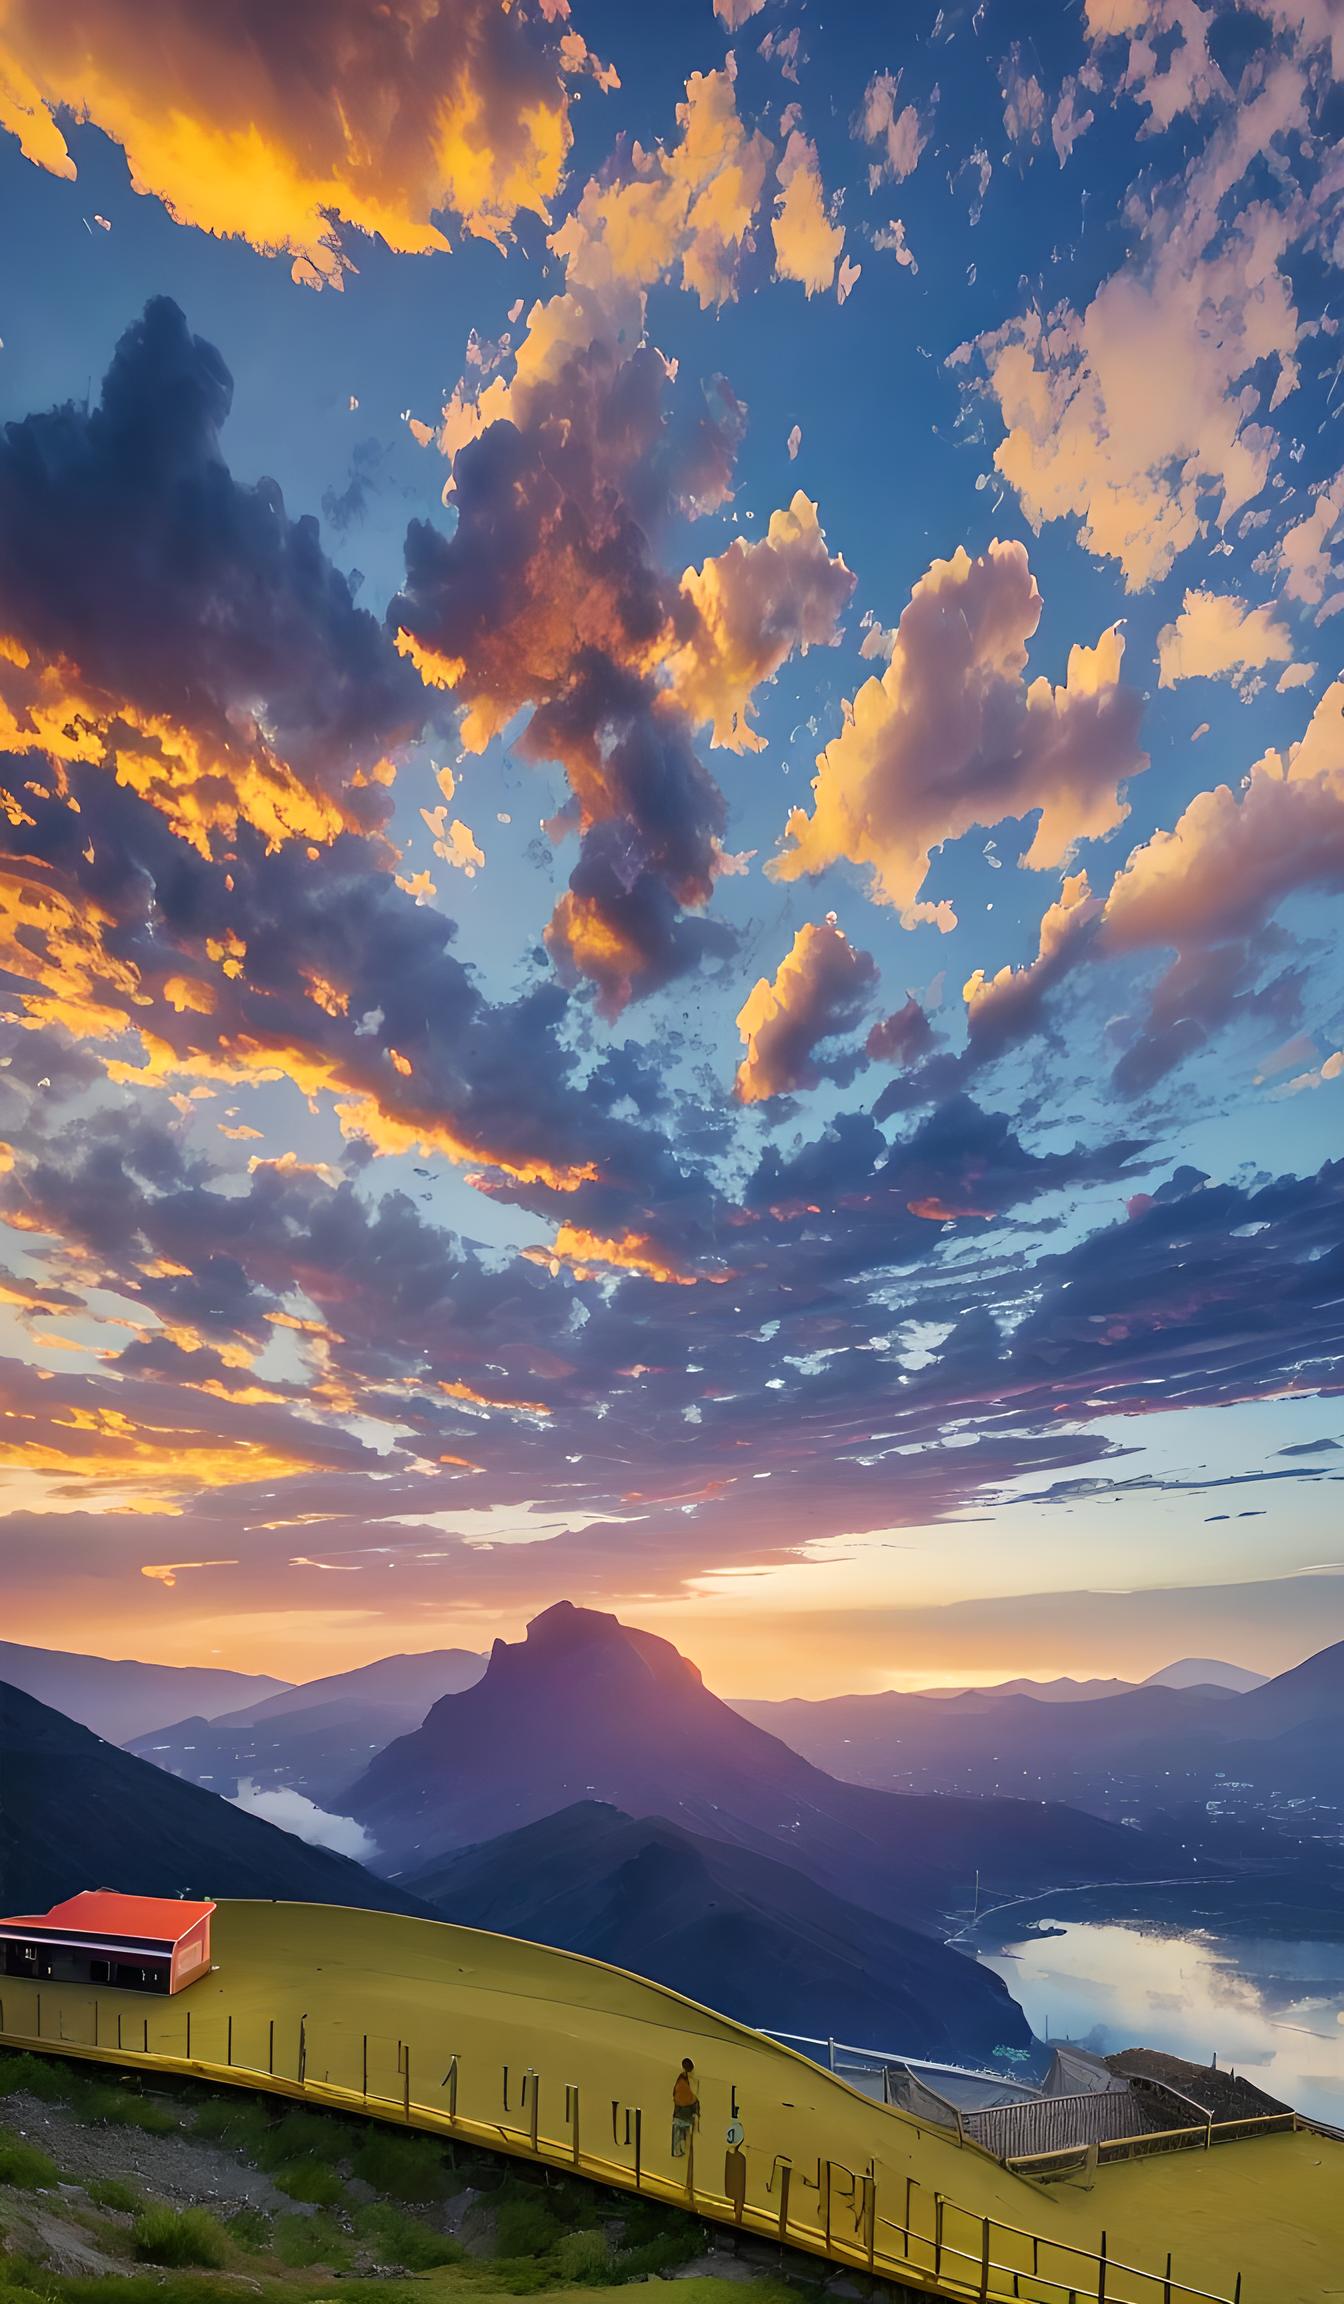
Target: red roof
pixel 100 1912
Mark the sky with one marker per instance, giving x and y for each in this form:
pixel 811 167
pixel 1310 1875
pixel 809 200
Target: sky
pixel 672 797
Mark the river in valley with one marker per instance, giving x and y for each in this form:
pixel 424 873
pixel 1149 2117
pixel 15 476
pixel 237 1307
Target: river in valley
pixel 1271 2008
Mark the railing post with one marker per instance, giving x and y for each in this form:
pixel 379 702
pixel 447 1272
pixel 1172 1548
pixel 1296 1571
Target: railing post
pixel 406 2081
pixel 1166 2284
pixel 639 2140
pixel 364 2069
pixel 910 2183
pixel 228 2043
pixel 270 2047
pixel 1236 2293
pixel 450 2083
pixel 1101 2272
pixel 984 2259
pixel 785 2179
pixel 572 2113
pixel 303 2051
pixel 826 2180
pixel 937 2234
pixel 870 2212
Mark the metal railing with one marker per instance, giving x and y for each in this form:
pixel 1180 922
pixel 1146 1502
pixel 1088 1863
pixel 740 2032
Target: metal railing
pixel 875 2219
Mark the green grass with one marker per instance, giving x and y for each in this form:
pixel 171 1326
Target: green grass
pixel 141 2288
pixel 178 2236
pixel 238 2122
pixel 34 2076
pixel 582 2255
pixel 24 2166
pixel 114 2107
pixel 249 2228
pixel 396 2238
pixel 311 2182
pixel 302 2241
pixel 524 2227
pixel 111 2192
pixel 412 2168
pixel 300 2135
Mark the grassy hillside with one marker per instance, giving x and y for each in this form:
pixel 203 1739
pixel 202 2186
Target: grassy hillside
pixel 113 2193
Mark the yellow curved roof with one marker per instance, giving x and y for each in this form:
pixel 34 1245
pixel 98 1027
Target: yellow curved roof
pixel 518 2047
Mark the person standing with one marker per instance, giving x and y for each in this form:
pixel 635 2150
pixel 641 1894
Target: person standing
pixel 685 2108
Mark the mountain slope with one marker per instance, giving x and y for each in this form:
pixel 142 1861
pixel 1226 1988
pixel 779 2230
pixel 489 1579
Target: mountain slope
pixel 585 1707
pixel 315 1737
pixel 738 1931
pixel 77 1813
pixel 120 1698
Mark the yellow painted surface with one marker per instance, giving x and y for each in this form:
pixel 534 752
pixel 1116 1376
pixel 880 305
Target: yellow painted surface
pixel 507 2043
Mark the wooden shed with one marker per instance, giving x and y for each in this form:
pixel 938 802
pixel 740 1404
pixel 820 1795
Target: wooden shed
pixel 130 1943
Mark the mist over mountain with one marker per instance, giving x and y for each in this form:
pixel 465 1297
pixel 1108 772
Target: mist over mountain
pixel 76 1812
pixel 313 1738
pixel 588 1708
pixel 120 1698
pixel 736 1930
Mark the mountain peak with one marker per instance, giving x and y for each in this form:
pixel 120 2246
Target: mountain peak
pixel 565 1630
pixel 1205 1672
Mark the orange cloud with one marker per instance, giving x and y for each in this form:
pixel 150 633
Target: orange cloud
pixel 593 1255
pixel 820 989
pixel 807 243
pixel 205 789
pixel 952 736
pixel 584 939
pixel 899 134
pixel 55 947
pixel 168 1571
pixel 1216 633
pixel 1087 438
pixel 459 1390
pixel 684 210
pixel 426 1132
pixel 1004 1005
pixel 754 604
pixel 1232 856
pixel 282 126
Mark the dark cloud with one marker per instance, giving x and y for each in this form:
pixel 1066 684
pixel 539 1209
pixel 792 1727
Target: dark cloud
pixel 550 596
pixel 129 552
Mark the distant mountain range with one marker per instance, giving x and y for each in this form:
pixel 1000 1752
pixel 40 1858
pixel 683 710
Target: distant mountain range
pixel 76 1812
pixel 1174 1738
pixel 314 1738
pixel 1189 1672
pixel 733 1929
pixel 587 1708
pixel 119 1698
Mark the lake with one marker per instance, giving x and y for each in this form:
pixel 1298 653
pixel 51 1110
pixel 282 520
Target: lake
pixel 1273 2010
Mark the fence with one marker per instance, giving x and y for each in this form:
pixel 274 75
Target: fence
pixel 873 2219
